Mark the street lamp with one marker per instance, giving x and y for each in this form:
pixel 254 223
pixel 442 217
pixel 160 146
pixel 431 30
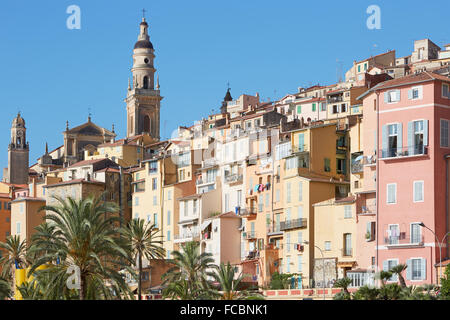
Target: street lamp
pixel 440 247
pixel 323 267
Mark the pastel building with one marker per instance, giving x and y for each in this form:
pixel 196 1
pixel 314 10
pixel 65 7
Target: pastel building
pixel 412 154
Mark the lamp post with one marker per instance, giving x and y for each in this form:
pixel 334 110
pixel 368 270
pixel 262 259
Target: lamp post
pixel 323 267
pixel 440 246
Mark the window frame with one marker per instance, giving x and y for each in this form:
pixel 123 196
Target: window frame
pixel 414 191
pixel 387 193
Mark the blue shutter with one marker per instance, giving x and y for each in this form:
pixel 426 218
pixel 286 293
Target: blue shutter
pixel 385 265
pixel 410 94
pixel 397 92
pixel 408 269
pixel 399 138
pixel 386 97
pixel 423 266
pixel 411 138
pixel 384 141
pixel 425 132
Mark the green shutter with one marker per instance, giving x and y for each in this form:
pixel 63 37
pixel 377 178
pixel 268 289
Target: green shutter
pixel 313 107
pixel 299 109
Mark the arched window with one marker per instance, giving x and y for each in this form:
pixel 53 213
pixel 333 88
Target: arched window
pixel 145 82
pixel 147 124
pixel 18 141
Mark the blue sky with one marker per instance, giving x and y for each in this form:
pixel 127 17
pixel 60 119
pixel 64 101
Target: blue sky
pixel 53 74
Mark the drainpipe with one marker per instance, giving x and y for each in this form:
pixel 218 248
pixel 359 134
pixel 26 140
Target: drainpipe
pixel 377 203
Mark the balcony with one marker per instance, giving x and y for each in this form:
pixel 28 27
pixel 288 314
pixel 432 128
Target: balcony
pixel 300 148
pixel 249 235
pixel 234 178
pixel 274 230
pixel 411 151
pixel 357 167
pixel 347 252
pixel 293 224
pixel 186 237
pixel 368 209
pixel 335 99
pixel 404 240
pixel 206 182
pixel 252 255
pixel 249 211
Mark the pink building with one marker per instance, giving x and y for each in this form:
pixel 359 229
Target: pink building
pixel 413 179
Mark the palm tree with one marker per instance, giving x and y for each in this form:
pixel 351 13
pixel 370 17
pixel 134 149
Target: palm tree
pixel 144 242
pixel 5 289
pixel 229 284
pixel 15 257
pixel 384 276
pixel 343 283
pixel 81 233
pixel 398 269
pixel 190 265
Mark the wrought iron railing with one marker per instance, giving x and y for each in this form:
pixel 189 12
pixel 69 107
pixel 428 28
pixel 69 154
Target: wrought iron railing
pixel 293 224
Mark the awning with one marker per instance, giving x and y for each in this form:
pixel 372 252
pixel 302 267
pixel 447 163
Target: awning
pixel 205 224
pixel 359 158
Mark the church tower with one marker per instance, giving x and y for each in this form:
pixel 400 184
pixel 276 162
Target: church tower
pixel 18 151
pixel 143 97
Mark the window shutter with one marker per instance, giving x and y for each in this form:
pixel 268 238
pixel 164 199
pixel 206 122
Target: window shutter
pixel 300 212
pixel 408 269
pixel 386 97
pixel 410 94
pixel 397 93
pixel 425 132
pixel 411 137
pixel 399 138
pixel 300 191
pixel 372 230
pixel 384 141
pixel 385 265
pixel 423 266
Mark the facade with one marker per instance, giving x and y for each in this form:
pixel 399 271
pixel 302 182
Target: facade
pixel 5 216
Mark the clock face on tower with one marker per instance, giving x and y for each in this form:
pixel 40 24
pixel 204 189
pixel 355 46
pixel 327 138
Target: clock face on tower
pixel 19 133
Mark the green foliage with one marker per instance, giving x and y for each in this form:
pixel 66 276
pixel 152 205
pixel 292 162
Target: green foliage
pixel 366 293
pixel 445 284
pixel 5 289
pixel 280 280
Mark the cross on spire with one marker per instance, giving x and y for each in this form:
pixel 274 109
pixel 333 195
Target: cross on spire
pixel 143 13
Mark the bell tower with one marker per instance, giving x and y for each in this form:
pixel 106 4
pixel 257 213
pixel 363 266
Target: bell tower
pixel 143 96
pixel 18 153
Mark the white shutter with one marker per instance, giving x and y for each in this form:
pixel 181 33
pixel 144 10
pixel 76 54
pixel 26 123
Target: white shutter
pixel 408 269
pixel 423 266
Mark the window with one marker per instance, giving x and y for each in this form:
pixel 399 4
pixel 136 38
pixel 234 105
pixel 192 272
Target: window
pixel 154 183
pixel 327 245
pixel 277 195
pixel 392 139
pixel 260 203
pixel 239 197
pixel 313 107
pixel 155 200
pixel 415 233
pixel 391 193
pixel 288 242
pixel 299 237
pixel 415 93
pixel 169 195
pixel 340 166
pixel 18 227
pixel 300 191
pixel 388 265
pixel 417 269
pixel 148 218
pixel 347 211
pixel 370 231
pixel 267 200
pixel 343 107
pixel 323 106
pixel 195 205
pixel 418 136
pixel 444 133
pixel 445 91
pixel 327 167
pixel 168 235
pixel 418 191
pixel 300 212
pixel 288 192
pixel 299 109
pixel 392 96
pixel 182 175
pixel 168 217
pixel 136 201
pixel 347 244
pixel 291 163
pixel 155 220
pixel 288 264
pixel 335 108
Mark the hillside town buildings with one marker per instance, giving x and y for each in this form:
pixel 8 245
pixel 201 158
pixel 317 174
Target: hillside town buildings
pixel 328 182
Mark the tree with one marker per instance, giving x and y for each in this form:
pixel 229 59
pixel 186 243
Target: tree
pixel 5 289
pixel 15 257
pixel 230 285
pixel 366 293
pixel 445 284
pixel 144 242
pixel 81 233
pixel 343 283
pixel 398 269
pixel 191 266
pixel 280 280
pixel 384 276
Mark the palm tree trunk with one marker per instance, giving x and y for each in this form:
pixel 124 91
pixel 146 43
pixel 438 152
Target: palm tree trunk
pixel 140 277
pixel 14 280
pixel 82 286
pixel 149 274
pixel 402 280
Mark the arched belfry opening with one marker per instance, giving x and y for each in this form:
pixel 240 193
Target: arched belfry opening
pixel 147 123
pixel 145 82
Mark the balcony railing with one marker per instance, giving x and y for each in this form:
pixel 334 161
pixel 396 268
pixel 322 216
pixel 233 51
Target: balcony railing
pixel 357 167
pixel 404 152
pixel 249 235
pixel 300 148
pixel 368 209
pixel 201 181
pixel 335 99
pixel 404 239
pixel 232 178
pixel 293 224
pixel 247 211
pixel 275 228
pixel 187 236
pixel 347 252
